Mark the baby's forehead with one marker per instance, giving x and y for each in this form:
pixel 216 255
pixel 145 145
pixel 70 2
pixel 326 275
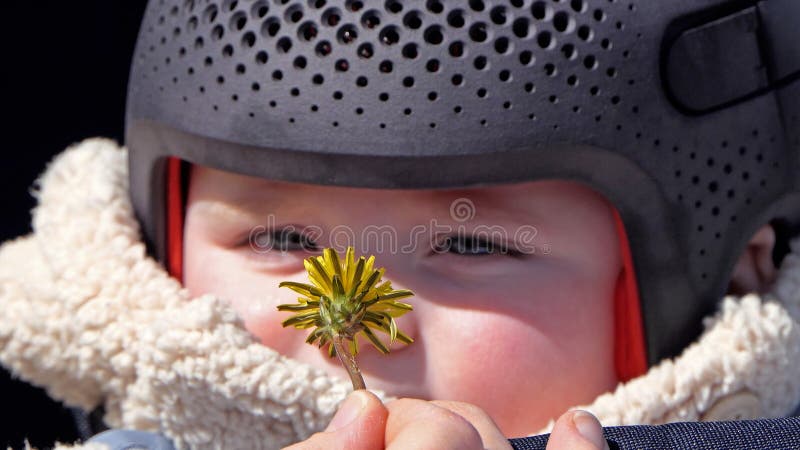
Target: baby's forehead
pixel 233 186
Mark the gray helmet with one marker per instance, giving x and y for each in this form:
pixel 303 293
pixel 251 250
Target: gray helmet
pixel 685 114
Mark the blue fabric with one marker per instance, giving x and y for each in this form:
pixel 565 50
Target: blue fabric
pixel 132 440
pixel 781 433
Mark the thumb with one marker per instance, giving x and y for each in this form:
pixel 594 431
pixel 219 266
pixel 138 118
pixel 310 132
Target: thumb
pixel 359 424
pixel 577 430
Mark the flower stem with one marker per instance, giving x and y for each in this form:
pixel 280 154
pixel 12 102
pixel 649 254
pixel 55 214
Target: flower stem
pixel 348 360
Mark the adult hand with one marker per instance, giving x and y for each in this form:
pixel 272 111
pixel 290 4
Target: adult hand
pixel 364 423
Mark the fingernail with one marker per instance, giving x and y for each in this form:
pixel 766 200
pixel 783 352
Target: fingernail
pixel 348 411
pixel 589 427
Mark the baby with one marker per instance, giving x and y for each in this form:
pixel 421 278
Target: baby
pixel 568 187
pixel 502 325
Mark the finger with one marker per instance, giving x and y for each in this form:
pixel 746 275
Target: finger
pixel 418 424
pixel 359 424
pixel 492 437
pixel 578 430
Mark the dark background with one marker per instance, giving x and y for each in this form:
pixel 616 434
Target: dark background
pixel 66 65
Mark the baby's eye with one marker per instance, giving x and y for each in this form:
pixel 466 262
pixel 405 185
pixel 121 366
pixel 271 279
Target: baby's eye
pixel 287 240
pixel 470 246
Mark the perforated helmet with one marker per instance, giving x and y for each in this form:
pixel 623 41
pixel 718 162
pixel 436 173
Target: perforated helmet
pixel 685 114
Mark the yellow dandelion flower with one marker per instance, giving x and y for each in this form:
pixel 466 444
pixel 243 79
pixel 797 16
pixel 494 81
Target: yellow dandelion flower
pixel 344 300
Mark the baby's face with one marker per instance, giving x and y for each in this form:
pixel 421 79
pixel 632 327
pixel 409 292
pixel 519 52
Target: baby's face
pixel 513 284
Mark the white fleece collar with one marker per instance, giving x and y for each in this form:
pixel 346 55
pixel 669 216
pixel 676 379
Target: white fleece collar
pixel 85 313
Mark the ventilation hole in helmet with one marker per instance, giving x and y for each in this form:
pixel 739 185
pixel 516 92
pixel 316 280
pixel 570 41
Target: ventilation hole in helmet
pixel 521 27
pixel 307 31
pixel 389 35
pixel 365 50
pixel 605 44
pixel 412 20
pixel 271 27
pixel 498 15
pixel 482 92
pixel 323 48
pixel 484 123
pixel 432 65
pixel 526 58
pixel 385 66
pixel 383 97
pixel 300 62
pixel 502 45
pixel 507 105
pixel 408 82
pixel 478 33
pixel 615 100
pixel 572 80
pixel 361 81
pixel 255 87
pixel 569 52
pixel 240 69
pixel 238 21
pixel 410 50
pixel 260 9
pixel 331 17
pixel 227 51
pixel 456 49
pixel 317 79
pixel 210 14
pixel 713 187
pixel 529 87
pixel 578 5
pixel 432 96
pixel 354 5
pixel 208 62
pixel 191 25
pixel 249 39
pixel 347 34
pixel 504 75
pixel 220 80
pixel 540 10
pixel 480 62
pixel 590 62
pixel 359 110
pixel 550 70
pixel 433 35
pixel 457 79
pixel 407 111
pixel 341 65
pixel 284 45
pixel 456 18
pixel 477 5
pixel 217 33
pixel 563 22
pixel 371 19
pixel 230 5
pixel 337 95
pixel 394 6
pixel 435 6
pixel 599 15
pixel 585 33
pixel 545 40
